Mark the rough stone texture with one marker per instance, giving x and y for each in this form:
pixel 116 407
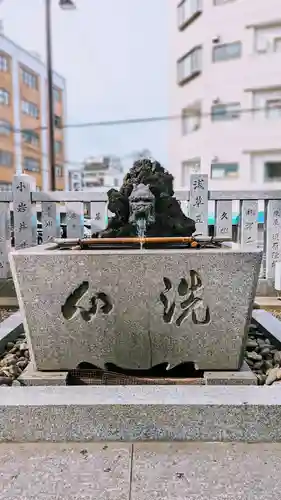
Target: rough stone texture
pixel 263 350
pixel 164 471
pixel 140 413
pixel 132 333
pixel 64 472
pixel 242 377
pixel 31 376
pixel 206 471
pixel 169 219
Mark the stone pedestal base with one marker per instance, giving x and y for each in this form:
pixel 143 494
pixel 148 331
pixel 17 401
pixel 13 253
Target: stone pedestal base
pixel 245 376
pixel 31 376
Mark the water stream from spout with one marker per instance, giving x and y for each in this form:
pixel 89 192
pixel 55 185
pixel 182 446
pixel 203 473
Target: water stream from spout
pixel 141 230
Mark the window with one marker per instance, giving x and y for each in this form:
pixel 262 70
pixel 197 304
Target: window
pixel 31 164
pixel 267 103
pixel 6 158
pixel 4 97
pixel 222 2
pixel 277 44
pixel 191 120
pixel 5 186
pixel 189 65
pixel 29 108
pixel 272 171
pixel 225 111
pixel 4 64
pixel 59 171
pixel 224 170
pixel 57 121
pixel 58 147
pixel 188 168
pixel 5 127
pixel 29 79
pixel 188 10
pixel 227 51
pixel 57 94
pixel 31 137
pixel 273 108
pixel 267 39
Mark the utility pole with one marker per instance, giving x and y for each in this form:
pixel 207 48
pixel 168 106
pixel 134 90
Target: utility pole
pixel 50 121
pixel 66 5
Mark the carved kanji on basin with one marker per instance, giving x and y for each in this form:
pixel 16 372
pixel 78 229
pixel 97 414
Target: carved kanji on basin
pixel 97 302
pixel 185 301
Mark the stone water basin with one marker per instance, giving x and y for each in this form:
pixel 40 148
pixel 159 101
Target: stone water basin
pixel 136 308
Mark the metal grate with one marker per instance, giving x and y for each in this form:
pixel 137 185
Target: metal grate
pixel 100 377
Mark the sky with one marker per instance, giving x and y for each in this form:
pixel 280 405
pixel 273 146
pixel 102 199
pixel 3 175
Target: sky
pixel 114 56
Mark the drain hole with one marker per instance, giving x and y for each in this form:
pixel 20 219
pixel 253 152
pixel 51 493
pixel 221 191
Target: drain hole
pixel 184 370
pixel 89 374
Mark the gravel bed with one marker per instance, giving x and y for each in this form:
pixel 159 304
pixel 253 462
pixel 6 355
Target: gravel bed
pixel 276 313
pixel 13 361
pixel 5 312
pixel 263 358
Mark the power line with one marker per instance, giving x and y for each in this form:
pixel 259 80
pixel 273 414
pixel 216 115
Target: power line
pixel 71 162
pixel 151 119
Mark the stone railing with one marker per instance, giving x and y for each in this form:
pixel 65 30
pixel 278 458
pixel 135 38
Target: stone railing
pixel 25 201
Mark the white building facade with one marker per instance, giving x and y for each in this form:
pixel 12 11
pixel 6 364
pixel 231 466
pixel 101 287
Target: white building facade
pixel 225 87
pixel 75 179
pixel 105 171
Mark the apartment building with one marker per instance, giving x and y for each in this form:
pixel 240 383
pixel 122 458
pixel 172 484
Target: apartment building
pixel 225 85
pixel 105 171
pixel 23 117
pixel 75 178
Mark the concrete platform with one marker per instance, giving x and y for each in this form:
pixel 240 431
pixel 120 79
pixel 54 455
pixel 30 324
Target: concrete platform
pixel 245 376
pixel 268 303
pixel 140 413
pixel 30 376
pixel 197 471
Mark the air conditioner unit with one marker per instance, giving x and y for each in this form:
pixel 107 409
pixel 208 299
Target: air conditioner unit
pixel 216 39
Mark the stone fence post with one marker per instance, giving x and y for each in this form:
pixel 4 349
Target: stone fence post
pixel 5 239
pixel 25 218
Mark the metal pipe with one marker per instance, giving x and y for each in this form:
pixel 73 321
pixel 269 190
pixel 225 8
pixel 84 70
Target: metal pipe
pixel 177 239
